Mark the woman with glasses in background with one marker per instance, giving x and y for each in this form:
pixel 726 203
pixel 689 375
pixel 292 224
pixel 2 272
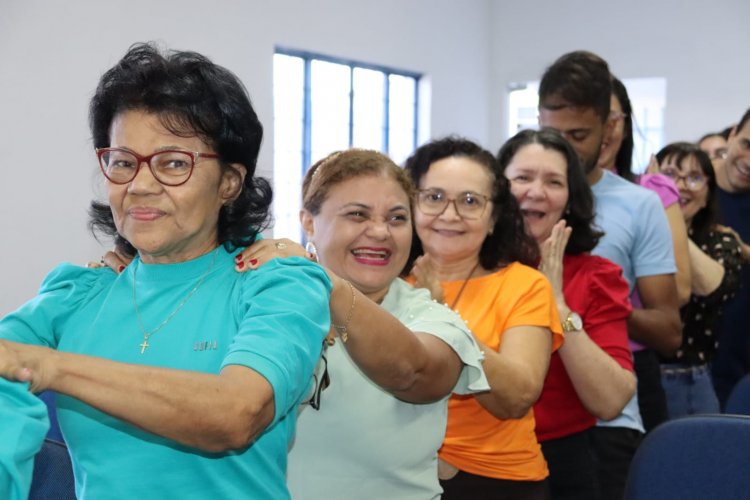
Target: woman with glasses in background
pixel 716 262
pixel 472 252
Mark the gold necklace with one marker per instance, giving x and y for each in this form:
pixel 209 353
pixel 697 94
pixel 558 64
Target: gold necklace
pixel 461 291
pixel 146 334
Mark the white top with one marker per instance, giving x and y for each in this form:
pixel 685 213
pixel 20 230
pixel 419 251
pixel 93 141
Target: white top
pixel 364 443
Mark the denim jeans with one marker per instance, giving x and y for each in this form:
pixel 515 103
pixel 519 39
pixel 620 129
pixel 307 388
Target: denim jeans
pixel 689 389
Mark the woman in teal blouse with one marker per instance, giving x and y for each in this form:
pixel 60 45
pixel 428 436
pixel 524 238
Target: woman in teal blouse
pixel 178 378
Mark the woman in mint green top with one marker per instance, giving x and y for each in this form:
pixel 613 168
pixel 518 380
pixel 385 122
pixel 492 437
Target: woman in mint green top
pixel 396 355
pixel 178 378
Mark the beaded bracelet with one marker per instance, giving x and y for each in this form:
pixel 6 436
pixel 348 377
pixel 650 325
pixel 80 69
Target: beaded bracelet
pixel 342 330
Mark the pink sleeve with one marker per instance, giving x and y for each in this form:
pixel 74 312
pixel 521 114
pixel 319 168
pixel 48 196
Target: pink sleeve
pixel 661 185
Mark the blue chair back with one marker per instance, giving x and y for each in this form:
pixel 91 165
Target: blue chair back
pixel 739 399
pixel 53 473
pixel 697 457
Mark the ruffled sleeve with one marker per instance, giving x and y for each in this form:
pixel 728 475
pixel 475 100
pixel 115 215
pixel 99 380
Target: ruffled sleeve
pixel 607 309
pixel 422 314
pixel 65 290
pixel 284 317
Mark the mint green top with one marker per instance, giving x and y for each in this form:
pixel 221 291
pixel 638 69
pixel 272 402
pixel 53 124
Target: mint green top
pixel 366 444
pixel 272 320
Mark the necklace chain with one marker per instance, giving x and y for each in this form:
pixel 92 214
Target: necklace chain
pixel 461 291
pixel 147 334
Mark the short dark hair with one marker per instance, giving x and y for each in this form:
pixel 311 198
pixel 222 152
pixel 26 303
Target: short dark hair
pixel 707 217
pixel 580 209
pixel 508 241
pixel 577 79
pixel 192 97
pixel 743 120
pixel 624 158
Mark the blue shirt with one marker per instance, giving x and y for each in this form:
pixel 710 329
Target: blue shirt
pixel 637 238
pixel 272 320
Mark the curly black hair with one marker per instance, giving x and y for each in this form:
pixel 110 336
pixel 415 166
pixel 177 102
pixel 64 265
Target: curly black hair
pixel 192 97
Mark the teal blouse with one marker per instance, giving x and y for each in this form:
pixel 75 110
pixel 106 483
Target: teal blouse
pixel 272 320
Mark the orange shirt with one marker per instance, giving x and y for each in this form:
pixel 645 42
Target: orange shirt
pixel 475 440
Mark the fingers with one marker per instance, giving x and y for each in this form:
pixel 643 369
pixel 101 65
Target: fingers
pixel 115 261
pixel 263 251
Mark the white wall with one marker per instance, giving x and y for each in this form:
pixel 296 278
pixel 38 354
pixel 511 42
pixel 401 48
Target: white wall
pixel 698 45
pixel 52 54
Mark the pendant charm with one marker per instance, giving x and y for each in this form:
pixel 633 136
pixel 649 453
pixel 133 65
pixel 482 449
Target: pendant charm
pixel 144 345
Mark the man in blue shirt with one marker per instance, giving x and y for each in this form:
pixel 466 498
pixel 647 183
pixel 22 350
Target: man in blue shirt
pixel 574 98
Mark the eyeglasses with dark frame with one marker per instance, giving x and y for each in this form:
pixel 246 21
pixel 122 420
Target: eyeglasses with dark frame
pixel 171 167
pixel 694 181
pixel 468 205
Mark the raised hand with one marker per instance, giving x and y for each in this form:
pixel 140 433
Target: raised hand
pixel 553 250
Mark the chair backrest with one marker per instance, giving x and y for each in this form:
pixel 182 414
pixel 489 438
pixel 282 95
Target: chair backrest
pixel 739 399
pixel 53 473
pixel 696 457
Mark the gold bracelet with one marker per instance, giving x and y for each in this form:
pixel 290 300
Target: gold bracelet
pixel 342 330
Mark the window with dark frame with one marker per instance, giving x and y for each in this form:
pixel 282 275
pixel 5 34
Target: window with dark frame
pixel 324 104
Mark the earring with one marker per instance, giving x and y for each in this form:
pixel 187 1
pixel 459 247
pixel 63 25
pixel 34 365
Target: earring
pixel 312 252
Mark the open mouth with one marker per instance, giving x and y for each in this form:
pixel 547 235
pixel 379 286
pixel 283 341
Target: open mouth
pixel 533 214
pixel 372 256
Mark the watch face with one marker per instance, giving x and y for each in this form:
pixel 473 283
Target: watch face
pixel 576 321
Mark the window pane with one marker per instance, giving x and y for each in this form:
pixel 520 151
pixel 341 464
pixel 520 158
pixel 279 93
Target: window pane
pixel 369 109
pixel 330 84
pixel 288 127
pixel 402 109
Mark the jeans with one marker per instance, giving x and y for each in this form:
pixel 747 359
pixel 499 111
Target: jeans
pixel 689 389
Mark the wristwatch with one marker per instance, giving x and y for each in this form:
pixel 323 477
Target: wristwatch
pixel 572 322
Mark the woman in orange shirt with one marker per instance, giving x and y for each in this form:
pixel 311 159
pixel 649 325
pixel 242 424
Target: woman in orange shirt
pixel 473 254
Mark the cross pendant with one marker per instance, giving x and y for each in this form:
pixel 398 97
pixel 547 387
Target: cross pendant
pixel 144 344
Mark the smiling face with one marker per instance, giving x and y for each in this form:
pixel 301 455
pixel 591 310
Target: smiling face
pixel 448 237
pixel 691 201
pixel 167 223
pixel 539 181
pixel 736 169
pixel 363 231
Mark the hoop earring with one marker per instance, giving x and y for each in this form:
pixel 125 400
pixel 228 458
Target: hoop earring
pixel 312 252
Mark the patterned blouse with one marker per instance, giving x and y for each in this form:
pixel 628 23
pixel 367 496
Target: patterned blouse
pixel 701 316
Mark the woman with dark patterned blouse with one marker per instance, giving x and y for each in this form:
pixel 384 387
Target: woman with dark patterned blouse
pixel 716 262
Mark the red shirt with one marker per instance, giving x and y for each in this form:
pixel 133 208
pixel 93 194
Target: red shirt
pixel 594 288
